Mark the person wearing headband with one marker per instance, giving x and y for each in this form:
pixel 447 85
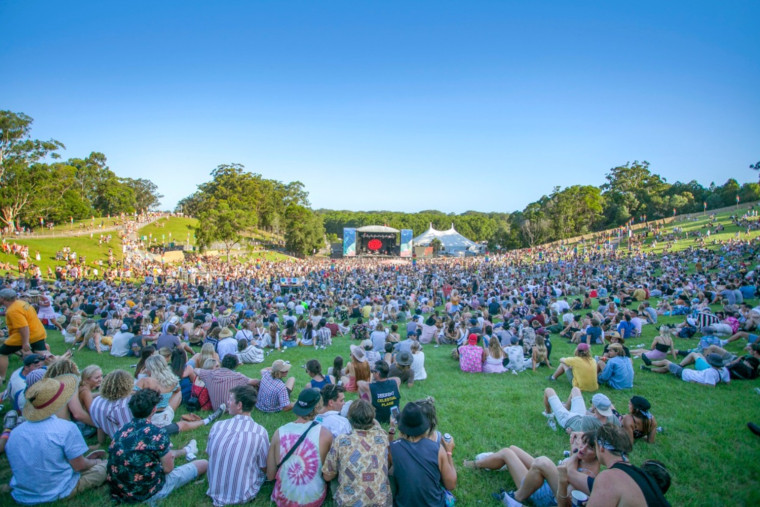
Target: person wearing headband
pixel 621 483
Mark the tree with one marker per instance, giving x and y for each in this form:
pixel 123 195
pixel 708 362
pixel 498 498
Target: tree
pixel 437 246
pixel 304 232
pixel 223 224
pixel 146 194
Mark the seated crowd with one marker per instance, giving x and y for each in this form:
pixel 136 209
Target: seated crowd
pixel 190 340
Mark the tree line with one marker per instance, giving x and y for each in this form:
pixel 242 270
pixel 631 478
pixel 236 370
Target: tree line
pixel 632 192
pixel 37 186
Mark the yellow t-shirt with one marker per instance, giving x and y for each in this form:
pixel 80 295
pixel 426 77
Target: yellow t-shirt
pixel 584 372
pixel 21 314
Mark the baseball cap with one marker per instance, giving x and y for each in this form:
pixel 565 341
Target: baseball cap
pixel 307 400
pixel 602 404
pixel 33 359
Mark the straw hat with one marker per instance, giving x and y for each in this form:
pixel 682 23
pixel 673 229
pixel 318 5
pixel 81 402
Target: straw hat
pixel 225 333
pixel 48 396
pixel 358 353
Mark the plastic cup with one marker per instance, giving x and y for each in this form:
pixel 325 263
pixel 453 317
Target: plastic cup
pixel 579 498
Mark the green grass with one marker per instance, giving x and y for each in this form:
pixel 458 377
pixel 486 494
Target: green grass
pixel 82 245
pixel 711 454
pixel 166 230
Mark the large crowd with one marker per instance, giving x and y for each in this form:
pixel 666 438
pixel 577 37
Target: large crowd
pixel 189 327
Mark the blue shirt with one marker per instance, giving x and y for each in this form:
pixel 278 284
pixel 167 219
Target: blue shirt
pixel 618 373
pixel 39 454
pixel 625 329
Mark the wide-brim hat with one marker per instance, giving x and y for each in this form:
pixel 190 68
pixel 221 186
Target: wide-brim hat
pixel 225 333
pixel 613 334
pixel 48 396
pixel 404 358
pixel 358 353
pixel 413 421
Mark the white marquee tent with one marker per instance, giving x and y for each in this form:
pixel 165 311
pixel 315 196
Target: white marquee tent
pixel 453 242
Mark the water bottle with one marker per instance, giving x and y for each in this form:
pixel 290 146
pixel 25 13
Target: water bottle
pixel 660 429
pixel 567 454
pixel 447 438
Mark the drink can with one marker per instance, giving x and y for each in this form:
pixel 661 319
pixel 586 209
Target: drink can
pixel 447 437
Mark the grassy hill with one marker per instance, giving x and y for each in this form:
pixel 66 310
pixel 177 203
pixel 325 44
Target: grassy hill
pixel 181 230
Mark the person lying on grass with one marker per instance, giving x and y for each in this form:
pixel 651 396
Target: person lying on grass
pixel 537 479
pixel 572 415
pixel 711 376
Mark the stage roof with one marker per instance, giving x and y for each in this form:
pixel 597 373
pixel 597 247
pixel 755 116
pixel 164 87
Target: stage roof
pixel 376 228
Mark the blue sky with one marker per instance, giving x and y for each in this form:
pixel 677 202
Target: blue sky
pixel 395 105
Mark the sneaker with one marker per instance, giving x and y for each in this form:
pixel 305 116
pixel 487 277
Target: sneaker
pixel 547 415
pixel 10 420
pixel 191 450
pixel 551 378
pixel 552 424
pixel 498 495
pixel 509 499
pixel 754 428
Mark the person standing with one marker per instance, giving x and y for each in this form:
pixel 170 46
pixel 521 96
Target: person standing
pixel 237 450
pixel 25 331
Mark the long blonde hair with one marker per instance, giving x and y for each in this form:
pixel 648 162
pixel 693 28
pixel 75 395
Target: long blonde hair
pixel 494 348
pixel 207 352
pixel 160 371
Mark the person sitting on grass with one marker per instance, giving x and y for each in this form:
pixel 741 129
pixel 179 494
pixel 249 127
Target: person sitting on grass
pixel 639 422
pixel 237 449
pixel 274 392
pixel 472 356
pixel 47 454
pixel 580 369
pixel 140 462
pixel 618 370
pixel 383 392
pixel 422 468
pixel 297 470
pixel 661 345
pixel 358 459
pixel 110 410
pixel 621 483
pixel 572 415
pixel 540 353
pixel 711 376
pixel 537 479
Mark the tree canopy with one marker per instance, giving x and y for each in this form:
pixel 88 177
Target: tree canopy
pixel 36 185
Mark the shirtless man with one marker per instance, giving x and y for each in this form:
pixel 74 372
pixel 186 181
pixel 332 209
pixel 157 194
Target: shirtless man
pixel 621 483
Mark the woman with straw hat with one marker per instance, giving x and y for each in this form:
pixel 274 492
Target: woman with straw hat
pixel 49 447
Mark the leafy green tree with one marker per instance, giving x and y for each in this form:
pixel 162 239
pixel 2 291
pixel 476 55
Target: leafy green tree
pixel 146 193
pixel 304 233
pixel 219 223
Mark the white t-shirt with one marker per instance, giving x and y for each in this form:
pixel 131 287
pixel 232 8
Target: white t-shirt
pixel 418 365
pixel 226 346
pixel 120 343
pixel 709 377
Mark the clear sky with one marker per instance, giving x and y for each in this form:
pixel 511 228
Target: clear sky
pixel 394 105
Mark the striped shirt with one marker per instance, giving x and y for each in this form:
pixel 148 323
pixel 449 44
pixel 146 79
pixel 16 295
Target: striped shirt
pixel 237 449
pixel 109 415
pixel 219 382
